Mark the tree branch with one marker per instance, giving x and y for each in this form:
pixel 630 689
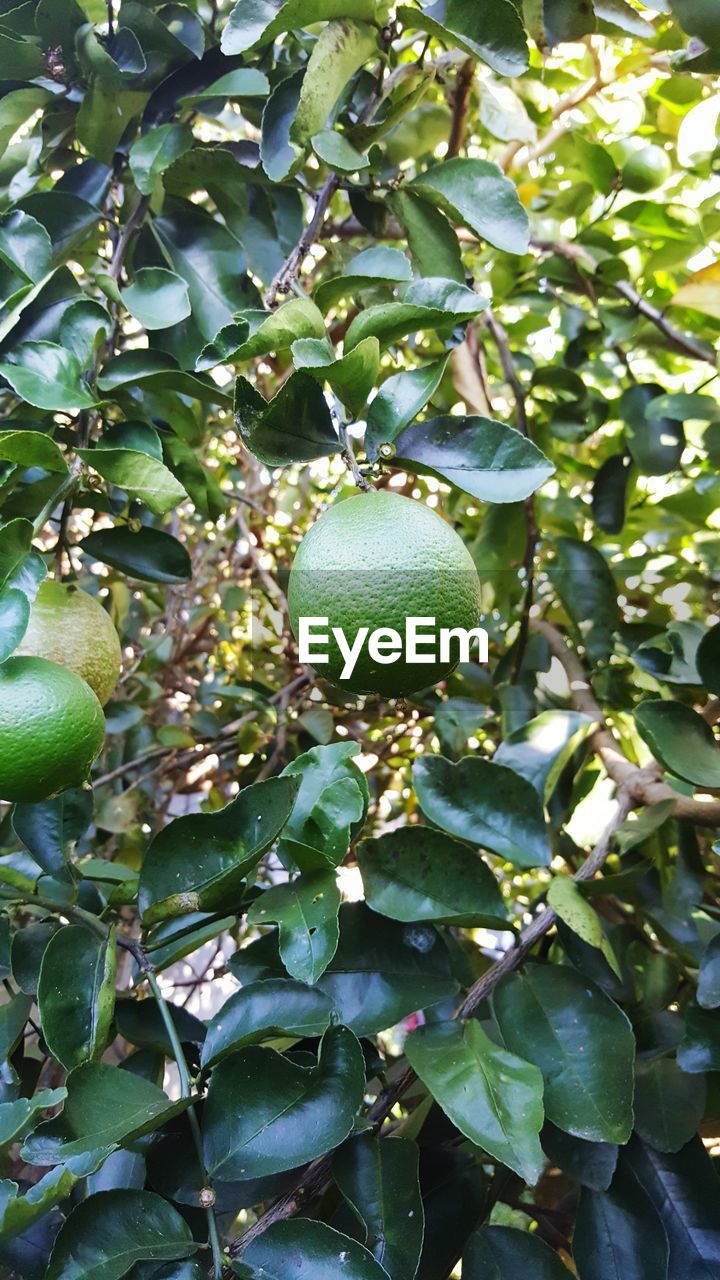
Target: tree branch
pixel 460 101
pixel 284 279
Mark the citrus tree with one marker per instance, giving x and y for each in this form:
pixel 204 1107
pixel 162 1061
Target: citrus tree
pixel 301 981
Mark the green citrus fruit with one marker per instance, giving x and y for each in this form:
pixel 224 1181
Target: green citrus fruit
pixel 646 169
pixel 374 561
pixel 51 729
pixel 70 627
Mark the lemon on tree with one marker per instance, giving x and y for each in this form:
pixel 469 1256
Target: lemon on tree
pixel 373 561
pixel 52 728
pixel 646 169
pixel 70 627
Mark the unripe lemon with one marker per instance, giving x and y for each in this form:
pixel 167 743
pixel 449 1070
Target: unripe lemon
pixel 52 728
pixel 647 169
pixel 373 561
pixel 70 627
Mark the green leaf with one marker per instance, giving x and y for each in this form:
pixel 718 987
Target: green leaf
pixel 25 246
pixel 155 151
pixel 306 911
pixel 586 587
pixel 157 298
pixel 378 265
pixel 699 1049
pixel 140 476
pixel 592 1164
pixel 31 449
pixel 432 242
pixel 505 116
pixel 19 1116
pixel 493 1097
pixel 351 377
pixel 259 21
pixel 669 1105
pixel 380 973
pixel 487 459
pixel 265 1113
pixel 430 303
pixel 105 1106
pixel 104 115
pixel 485 804
pixel 502 1253
pixel 47 376
pixel 656 444
pixel 278 154
pixel 264 1011
pixel 210 261
pixel 540 749
pixel 19 1212
pixel 681 740
pixel 399 400
pixel 456 720
pixel 109 1232
pixel 85 325
pixel 76 993
pixel 16 107
pixel 618 1232
pixel 708 993
pixel 707 659
pixel 317 1251
pixel 335 151
pixel 683 1187
pixel 13 1016
pixel 699 18
pixel 277 330
pixel 14 618
pixel 671 656
pixel 198 863
pixel 416 873
pixel 379 1180
pixel 682 405
pixel 494 35
pixel 567 22
pixel 342 47
pixel 243 82
pixel 295 426
pixel 330 807
pixel 567 902
pixel 51 828
pixel 581 1041
pixel 156 370
pixel 476 194
pixel 148 554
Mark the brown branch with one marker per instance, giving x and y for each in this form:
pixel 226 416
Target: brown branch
pixel 645 786
pixel 284 279
pixel 460 102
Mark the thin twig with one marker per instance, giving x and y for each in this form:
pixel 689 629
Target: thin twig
pixel 282 281
pixel 460 101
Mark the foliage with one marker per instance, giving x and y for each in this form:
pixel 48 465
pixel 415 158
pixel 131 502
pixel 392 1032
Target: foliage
pixel 365 987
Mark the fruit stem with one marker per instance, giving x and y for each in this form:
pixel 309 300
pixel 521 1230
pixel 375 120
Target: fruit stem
pixel 350 460
pixel 65 487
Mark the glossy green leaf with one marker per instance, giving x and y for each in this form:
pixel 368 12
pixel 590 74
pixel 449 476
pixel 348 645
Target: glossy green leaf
pixel 496 36
pixel 494 1097
pixel 318 1253
pixel 198 863
pixel 428 304
pixel 416 873
pixel 109 1232
pixel 618 1232
pixel 342 47
pixel 148 554
pixel 570 906
pixel 19 1116
pixel 399 400
pixel 351 377
pixel 369 268
pixel 157 298
pixel 671 656
pixel 681 740
pixel 278 153
pixel 477 195
pixel 139 476
pixel 540 749
pixel 708 992
pixel 157 371
pixel 295 426
pixel 485 804
pixel 276 331
pixel 591 1164
pixel 330 806
pixel 25 245
pixel 432 242
pixel 503 1253
pixel 685 1193
pixel 51 829
pixel 26 953
pixel 699 17
pixel 669 1105
pixel 14 618
pixel 699 1049
pixel 155 151
pixel 76 993
pixel 381 972
pixel 265 1113
pixel 586 587
pixel 14 1014
pixel 335 151
pixel 656 444
pixel 19 1210
pixel 104 1106
pixel 582 1043
pixel 47 376
pixel 379 1181
pixel 306 911
pixel 492 462
pixel 264 1011
pixel 31 449
pixel 244 82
